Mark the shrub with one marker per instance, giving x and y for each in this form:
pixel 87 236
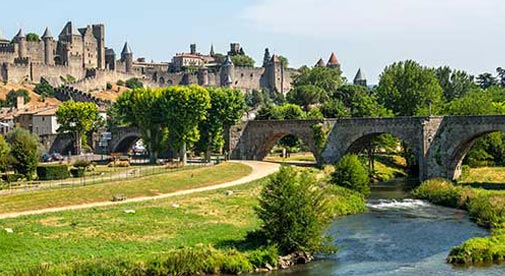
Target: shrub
pixel 109 86
pixel 344 201
pixel 77 172
pixel 12 177
pixel 82 164
pixel 134 83
pixel 24 151
pixel 120 83
pixel 350 173
pixel 294 212
pixel 53 172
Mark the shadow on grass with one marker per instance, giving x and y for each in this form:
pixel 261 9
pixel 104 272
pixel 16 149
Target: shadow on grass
pixel 252 241
pixel 389 161
pixel 485 185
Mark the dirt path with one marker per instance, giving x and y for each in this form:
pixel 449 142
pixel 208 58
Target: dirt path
pixel 260 170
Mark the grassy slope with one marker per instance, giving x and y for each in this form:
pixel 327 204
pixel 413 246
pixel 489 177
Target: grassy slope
pixel 484 175
pixel 146 186
pixel 156 227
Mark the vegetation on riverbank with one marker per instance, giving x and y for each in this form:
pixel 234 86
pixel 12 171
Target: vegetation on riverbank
pixel 138 187
pixel 150 241
pixel 486 208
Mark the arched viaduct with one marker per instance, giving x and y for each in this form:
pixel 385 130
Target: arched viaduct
pixel 439 143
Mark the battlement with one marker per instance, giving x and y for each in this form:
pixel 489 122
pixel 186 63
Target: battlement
pixel 7 49
pixel 67 93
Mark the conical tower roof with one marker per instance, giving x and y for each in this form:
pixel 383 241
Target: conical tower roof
pixel 47 34
pixel 126 49
pixel 359 76
pixel 275 58
pixel 20 34
pixel 333 59
pixel 70 30
pixel 320 63
pixel 212 53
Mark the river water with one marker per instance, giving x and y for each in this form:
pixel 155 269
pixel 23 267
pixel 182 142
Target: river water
pixel 398 236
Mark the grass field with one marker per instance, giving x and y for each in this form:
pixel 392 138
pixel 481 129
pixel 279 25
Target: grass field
pixel 145 186
pixel 484 175
pixel 155 227
pixel 296 157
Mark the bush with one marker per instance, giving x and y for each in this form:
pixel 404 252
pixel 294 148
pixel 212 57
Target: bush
pixel 134 83
pixel 344 201
pixel 53 172
pixel 294 212
pixel 77 172
pixel 24 151
pixel 120 83
pixel 350 173
pixel 12 177
pixel 82 164
pixel 109 86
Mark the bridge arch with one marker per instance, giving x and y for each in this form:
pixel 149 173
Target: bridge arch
pixel 125 143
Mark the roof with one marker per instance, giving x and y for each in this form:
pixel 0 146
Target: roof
pixel 333 59
pixel 186 55
pixel 47 34
pixel 69 30
pixel 109 52
pixel 20 34
pixel 320 63
pixel 359 76
pixel 126 49
pixel 275 58
pixel 47 112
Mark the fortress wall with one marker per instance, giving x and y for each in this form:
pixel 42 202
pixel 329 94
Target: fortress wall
pixel 35 50
pixel 247 78
pixel 18 73
pixel 214 79
pixel 53 73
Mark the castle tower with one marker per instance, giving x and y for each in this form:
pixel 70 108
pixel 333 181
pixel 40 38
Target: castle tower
pixel 212 53
pixel 227 72
pixel 192 49
pixel 333 62
pixel 127 58
pixel 360 79
pixel 3 39
pixel 99 34
pixel 275 71
pixel 47 37
pixel 20 39
pixel 320 63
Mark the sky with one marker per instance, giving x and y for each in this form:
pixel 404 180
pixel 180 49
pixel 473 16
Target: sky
pixel 368 34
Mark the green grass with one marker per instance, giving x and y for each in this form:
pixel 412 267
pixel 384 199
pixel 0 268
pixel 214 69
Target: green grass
pixel 296 157
pixel 156 228
pixel 486 208
pixel 145 186
pixel 485 176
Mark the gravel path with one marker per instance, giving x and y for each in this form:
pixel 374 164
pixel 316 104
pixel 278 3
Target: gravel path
pixel 260 170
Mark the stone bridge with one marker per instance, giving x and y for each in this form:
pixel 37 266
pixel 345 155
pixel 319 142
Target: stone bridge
pixel 439 143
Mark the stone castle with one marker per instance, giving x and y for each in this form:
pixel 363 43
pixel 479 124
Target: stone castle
pixel 80 60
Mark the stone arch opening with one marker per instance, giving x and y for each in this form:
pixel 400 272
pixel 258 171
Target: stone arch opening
pixel 58 60
pixel 477 150
pixel 125 145
pixel 386 152
pixel 161 80
pixel 288 147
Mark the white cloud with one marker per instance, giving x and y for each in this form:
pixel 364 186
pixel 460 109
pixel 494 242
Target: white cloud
pixel 355 18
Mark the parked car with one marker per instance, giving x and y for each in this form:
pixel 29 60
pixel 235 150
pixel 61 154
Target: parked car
pixel 46 157
pixel 57 157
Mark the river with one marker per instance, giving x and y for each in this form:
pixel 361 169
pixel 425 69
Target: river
pixel 398 236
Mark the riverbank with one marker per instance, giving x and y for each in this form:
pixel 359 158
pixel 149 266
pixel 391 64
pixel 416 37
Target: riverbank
pixel 486 208
pixel 146 235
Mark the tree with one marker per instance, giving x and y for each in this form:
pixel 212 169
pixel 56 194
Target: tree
pixel 266 57
pixel 32 37
pixel 284 60
pixel 409 89
pixel 226 107
pixel 454 83
pixel 243 61
pixel 335 108
pixel 325 78
pixel 186 107
pixel 77 118
pixel 142 108
pixel 5 150
pixel 306 95
pixel 486 80
pixel 350 173
pixel 134 83
pixel 44 89
pixel 294 212
pixel 12 97
pixel 24 150
pixel 475 102
pixel 501 76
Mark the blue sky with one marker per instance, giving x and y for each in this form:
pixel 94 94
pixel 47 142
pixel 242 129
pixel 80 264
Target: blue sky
pixel 465 34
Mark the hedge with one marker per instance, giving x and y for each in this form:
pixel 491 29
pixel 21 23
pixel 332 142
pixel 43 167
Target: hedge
pixel 53 172
pixel 77 172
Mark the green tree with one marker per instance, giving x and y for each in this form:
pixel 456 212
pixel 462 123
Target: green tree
pixel 44 89
pixel 335 108
pixel 284 60
pixel 186 107
pixel 226 108
pixel 350 173
pixel 306 95
pixel 474 102
pixel 134 83
pixel 501 76
pixel 243 61
pixel 266 57
pixel 294 212
pixel 409 89
pixel 5 150
pixel 486 80
pixel 77 118
pixel 142 108
pixel 325 78
pixel 454 83
pixel 24 151
pixel 32 37
pixel 12 97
